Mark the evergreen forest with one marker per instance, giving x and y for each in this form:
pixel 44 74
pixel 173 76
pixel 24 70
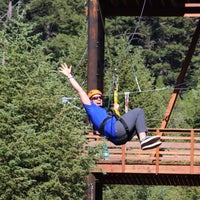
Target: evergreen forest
pixel 42 121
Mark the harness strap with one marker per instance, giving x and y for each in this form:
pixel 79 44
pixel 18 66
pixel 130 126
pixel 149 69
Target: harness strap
pixel 101 129
pixel 126 128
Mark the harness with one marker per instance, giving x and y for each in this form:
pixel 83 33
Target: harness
pixel 101 130
pixel 117 115
pixel 125 126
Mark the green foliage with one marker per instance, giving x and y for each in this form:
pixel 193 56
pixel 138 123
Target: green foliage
pixel 188 106
pixel 134 68
pixel 62 23
pixel 41 140
pixel 53 16
pixel 3 7
pixel 157 51
pixel 120 192
pixel 41 153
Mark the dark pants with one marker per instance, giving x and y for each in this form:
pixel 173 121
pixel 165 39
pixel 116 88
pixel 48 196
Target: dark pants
pixel 135 121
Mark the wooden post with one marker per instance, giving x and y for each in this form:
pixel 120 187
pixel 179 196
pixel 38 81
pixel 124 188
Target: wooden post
pixel 95 191
pixel 192 152
pixel 95 46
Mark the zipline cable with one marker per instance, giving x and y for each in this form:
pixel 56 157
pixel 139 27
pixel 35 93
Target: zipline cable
pixel 132 35
pixel 135 77
pixel 115 77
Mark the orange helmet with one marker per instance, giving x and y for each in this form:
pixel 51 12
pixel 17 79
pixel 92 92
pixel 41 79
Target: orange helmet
pixel 93 92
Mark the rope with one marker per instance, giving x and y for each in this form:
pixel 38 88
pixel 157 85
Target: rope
pixel 122 55
pixel 135 77
pixel 132 35
pixel 116 87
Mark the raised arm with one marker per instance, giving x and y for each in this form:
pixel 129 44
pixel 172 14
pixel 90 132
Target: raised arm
pixel 64 69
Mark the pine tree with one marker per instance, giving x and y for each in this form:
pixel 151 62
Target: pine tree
pixel 41 152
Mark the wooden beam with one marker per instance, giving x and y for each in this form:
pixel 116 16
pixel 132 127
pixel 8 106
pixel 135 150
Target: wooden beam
pixel 181 77
pixel 152 8
pixel 148 179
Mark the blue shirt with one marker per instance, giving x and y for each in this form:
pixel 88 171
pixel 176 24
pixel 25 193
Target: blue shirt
pixel 97 114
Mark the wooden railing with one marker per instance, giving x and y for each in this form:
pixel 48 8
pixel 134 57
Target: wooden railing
pixel 178 154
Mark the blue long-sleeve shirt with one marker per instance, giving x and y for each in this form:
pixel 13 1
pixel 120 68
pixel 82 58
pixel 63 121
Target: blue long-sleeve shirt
pixel 97 114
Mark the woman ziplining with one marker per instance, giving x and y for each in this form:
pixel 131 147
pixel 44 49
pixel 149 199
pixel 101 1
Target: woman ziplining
pixel 117 130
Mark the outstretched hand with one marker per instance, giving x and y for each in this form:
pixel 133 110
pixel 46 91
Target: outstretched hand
pixel 65 69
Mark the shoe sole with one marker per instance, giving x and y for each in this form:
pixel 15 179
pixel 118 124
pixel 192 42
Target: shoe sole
pixel 152 145
pixel 150 140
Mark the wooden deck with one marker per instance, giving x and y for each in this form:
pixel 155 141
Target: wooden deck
pixel 178 156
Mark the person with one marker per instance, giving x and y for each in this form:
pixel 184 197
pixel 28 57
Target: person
pixel 118 130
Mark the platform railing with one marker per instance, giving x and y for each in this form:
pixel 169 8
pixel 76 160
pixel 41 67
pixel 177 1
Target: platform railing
pixel 179 153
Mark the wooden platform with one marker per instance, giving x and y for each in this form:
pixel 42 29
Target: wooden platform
pixel 176 161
